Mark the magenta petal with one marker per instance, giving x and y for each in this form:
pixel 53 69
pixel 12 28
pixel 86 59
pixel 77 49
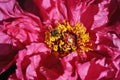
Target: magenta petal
pixel 7 52
pixel 95 70
pixel 68 68
pixel 95 14
pixel 27 63
pixel 23 31
pixel 83 70
pixel 9 9
pixel 74 10
pixel 101 17
pixel 114 11
pixel 51 11
pixel 17 29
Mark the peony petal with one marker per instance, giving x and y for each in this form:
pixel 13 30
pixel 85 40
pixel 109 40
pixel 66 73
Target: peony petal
pixel 53 11
pixel 83 70
pixel 25 63
pixel 74 8
pixel 7 52
pixel 114 12
pixel 9 9
pixel 101 17
pixel 30 71
pixel 97 69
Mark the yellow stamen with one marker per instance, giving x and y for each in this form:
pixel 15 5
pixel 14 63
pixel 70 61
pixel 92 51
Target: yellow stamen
pixel 55 47
pixel 66 38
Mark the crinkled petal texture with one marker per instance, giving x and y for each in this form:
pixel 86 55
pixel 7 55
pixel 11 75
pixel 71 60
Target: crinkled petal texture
pixel 9 9
pixel 17 29
pixel 34 60
pixel 92 13
pixel 23 30
pixel 107 41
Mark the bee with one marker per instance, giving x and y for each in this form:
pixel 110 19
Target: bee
pixel 55 33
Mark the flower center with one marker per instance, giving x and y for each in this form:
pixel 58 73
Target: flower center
pixel 65 39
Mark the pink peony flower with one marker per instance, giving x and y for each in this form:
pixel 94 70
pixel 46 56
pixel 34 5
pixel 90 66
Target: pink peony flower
pixel 73 40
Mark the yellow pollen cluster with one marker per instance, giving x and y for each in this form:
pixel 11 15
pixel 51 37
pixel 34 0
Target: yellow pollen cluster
pixel 66 38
